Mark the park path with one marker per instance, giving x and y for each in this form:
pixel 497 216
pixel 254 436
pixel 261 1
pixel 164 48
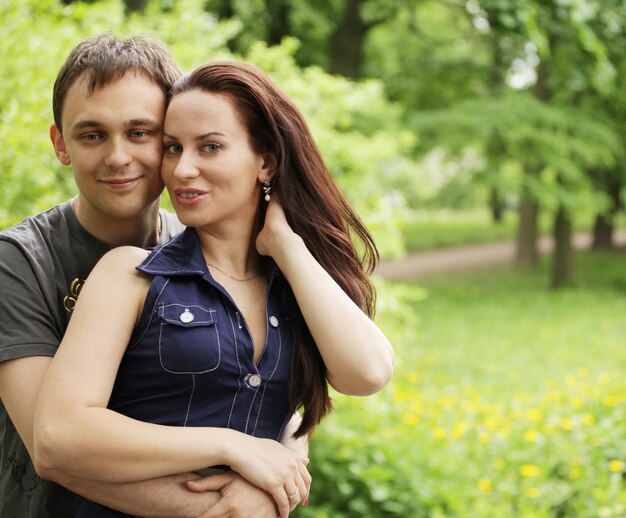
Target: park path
pixel 471 257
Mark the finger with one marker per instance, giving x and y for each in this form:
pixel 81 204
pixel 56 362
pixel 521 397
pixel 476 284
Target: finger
pixel 302 494
pixel 282 502
pixel 306 477
pixel 210 483
pixel 295 495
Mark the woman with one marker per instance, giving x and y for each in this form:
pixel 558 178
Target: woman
pixel 227 330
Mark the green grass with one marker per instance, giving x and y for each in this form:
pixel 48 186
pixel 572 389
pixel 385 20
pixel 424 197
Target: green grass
pixel 437 229
pixel 508 401
pixel 424 230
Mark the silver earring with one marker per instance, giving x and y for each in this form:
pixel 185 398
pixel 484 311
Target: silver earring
pixel 267 189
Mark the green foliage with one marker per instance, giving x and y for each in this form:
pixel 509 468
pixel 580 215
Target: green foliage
pixel 31 179
pixel 563 144
pixel 357 129
pixel 427 56
pixel 507 401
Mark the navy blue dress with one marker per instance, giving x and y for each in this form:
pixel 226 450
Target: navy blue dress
pixel 190 358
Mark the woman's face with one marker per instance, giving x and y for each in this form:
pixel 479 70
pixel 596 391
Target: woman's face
pixel 209 167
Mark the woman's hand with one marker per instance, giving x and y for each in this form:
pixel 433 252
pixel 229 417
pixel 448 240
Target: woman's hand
pixel 270 466
pixel 276 234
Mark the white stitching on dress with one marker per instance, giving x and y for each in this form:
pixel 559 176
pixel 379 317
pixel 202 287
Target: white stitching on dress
pixel 152 313
pixel 193 390
pixel 219 353
pixel 230 319
pixel 280 347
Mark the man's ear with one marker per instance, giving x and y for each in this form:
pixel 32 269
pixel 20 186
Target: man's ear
pixel 268 168
pixel 58 142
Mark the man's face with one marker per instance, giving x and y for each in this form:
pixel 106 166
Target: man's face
pixel 113 140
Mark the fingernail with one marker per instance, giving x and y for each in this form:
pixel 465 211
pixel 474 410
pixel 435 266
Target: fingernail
pixel 306 502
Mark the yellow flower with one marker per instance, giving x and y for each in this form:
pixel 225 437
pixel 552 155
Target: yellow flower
pixel 567 425
pixel 549 429
pixel 458 430
pixel 413 377
pixel 576 473
pixel 588 419
pixel 609 401
pixel 531 436
pixel 484 437
pixel 439 433
pixel 534 415
pixel 532 492
pixel 491 423
pixel 616 466
pixel 499 463
pixel 576 402
pixel 570 381
pixel 410 419
pixel 485 485
pixel 529 470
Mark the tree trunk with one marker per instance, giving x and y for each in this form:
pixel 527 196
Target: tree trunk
pixel 495 203
pixel 135 6
pixel 495 146
pixel 346 43
pixel 603 226
pixel 279 26
pixel 562 265
pixel 494 152
pixel 527 230
pixel 602 233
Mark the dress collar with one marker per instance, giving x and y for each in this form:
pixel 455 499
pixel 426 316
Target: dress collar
pixel 182 255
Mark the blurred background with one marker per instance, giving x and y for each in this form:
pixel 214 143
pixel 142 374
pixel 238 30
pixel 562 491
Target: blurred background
pixel 451 125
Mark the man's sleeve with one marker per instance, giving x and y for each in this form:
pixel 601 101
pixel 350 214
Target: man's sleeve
pixel 27 320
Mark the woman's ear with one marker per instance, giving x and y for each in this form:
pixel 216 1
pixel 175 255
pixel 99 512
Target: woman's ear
pixel 268 167
pixel 60 148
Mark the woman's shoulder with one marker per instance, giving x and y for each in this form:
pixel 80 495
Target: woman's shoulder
pixel 122 259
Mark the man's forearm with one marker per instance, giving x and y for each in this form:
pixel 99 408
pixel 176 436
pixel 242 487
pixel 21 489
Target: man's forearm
pixel 165 497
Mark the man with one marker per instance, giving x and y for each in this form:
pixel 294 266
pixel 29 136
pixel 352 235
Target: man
pixel 109 105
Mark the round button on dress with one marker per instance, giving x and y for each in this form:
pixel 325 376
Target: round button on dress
pixel 254 380
pixel 273 321
pixel 187 316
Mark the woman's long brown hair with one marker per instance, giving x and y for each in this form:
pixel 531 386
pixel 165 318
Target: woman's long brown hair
pixel 315 208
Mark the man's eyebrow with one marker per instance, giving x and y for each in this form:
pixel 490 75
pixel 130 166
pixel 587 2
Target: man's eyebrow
pixel 144 122
pixel 86 123
pixel 89 123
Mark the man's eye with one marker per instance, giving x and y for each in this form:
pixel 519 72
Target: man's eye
pixel 212 147
pixel 138 133
pixel 91 137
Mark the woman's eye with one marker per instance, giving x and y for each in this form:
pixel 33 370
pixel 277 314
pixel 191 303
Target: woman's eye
pixel 173 148
pixel 212 147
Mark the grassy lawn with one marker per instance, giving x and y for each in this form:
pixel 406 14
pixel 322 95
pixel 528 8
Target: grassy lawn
pixel 509 400
pixel 436 229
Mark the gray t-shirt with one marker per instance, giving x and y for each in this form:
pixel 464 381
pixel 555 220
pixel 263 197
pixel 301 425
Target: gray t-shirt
pixel 44 261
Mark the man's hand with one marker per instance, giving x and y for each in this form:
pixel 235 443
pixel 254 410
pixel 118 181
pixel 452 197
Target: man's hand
pixel 240 498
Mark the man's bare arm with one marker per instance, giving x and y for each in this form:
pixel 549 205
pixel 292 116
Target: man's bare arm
pixel 165 497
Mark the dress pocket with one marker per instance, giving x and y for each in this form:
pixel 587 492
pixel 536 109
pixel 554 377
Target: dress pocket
pixel 189 341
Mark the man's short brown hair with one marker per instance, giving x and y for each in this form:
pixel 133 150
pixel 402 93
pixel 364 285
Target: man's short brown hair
pixel 106 58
